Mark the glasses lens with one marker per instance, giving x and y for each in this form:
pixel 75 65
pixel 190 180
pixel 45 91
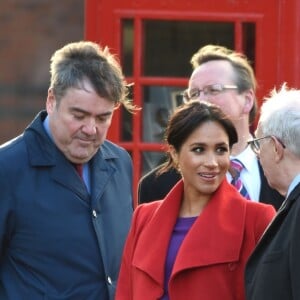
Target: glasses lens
pixel 194 94
pixel 213 89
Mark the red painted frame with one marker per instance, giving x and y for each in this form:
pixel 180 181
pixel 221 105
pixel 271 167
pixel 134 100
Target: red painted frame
pixel 277 44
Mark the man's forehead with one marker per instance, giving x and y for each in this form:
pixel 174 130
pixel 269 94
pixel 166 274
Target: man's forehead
pixel 217 69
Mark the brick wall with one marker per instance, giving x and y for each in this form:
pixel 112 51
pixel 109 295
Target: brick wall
pixel 30 31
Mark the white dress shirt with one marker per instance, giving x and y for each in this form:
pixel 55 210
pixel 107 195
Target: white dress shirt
pixel 250 174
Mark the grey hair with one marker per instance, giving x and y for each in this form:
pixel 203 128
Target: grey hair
pixel 77 61
pixel 280 116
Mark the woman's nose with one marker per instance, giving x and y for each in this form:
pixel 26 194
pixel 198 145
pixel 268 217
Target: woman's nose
pixel 211 160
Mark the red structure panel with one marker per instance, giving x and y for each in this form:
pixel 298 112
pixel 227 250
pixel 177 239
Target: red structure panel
pixel 155 39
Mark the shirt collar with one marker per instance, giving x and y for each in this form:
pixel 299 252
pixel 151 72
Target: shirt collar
pixel 47 127
pixel 293 184
pixel 247 158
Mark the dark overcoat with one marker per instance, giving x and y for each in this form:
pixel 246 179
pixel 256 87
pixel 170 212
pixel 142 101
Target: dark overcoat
pixel 57 240
pixel 273 270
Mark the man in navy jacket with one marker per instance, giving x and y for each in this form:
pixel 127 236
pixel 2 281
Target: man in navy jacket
pixel 61 234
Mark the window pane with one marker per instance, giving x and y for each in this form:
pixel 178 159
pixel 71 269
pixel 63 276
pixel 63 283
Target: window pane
pixel 127 46
pixel 151 159
pixel 169 45
pixel 159 102
pixel 126 119
pixel 249 41
pixel 126 125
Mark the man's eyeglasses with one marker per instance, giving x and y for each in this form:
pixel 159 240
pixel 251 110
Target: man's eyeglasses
pixel 255 143
pixel 208 90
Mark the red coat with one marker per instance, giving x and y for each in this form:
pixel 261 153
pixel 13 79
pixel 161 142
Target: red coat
pixel 211 260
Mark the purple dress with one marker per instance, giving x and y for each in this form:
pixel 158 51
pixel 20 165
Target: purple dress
pixel 180 230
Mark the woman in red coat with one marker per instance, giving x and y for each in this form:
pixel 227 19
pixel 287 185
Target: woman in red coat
pixel 194 244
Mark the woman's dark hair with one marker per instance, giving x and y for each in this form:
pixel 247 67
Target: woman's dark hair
pixel 189 116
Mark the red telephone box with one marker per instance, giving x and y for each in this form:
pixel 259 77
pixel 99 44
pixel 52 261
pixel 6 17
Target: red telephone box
pixel 156 39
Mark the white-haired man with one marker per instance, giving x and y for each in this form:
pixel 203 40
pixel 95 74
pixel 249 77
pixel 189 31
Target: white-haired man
pixel 273 270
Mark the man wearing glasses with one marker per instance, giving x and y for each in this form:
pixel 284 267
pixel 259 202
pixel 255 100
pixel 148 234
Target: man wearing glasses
pixel 226 78
pixel 273 270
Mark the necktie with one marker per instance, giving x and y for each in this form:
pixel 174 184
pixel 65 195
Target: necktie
pixel 79 169
pixel 236 168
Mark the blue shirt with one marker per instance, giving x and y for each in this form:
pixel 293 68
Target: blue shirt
pixel 86 169
pixel 293 184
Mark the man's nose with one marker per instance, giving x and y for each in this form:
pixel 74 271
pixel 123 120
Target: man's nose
pixel 90 127
pixel 204 97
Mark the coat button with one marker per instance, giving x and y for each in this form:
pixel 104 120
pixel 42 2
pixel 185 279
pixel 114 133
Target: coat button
pixel 109 281
pixel 94 214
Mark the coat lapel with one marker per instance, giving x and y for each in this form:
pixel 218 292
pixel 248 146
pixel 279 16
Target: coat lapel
pixel 101 172
pixel 218 224
pixel 275 225
pixel 65 174
pixel 154 239
pixel 271 231
pixel 43 152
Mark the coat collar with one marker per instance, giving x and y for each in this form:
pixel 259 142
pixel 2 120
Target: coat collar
pixel 271 231
pixel 220 223
pixel 42 152
pixel 280 216
pixel 41 149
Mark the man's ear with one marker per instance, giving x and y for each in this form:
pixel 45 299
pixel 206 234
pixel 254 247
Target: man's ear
pixel 249 101
pixel 51 101
pixel 278 149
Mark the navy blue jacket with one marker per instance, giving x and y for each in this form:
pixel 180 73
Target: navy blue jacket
pixel 57 240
